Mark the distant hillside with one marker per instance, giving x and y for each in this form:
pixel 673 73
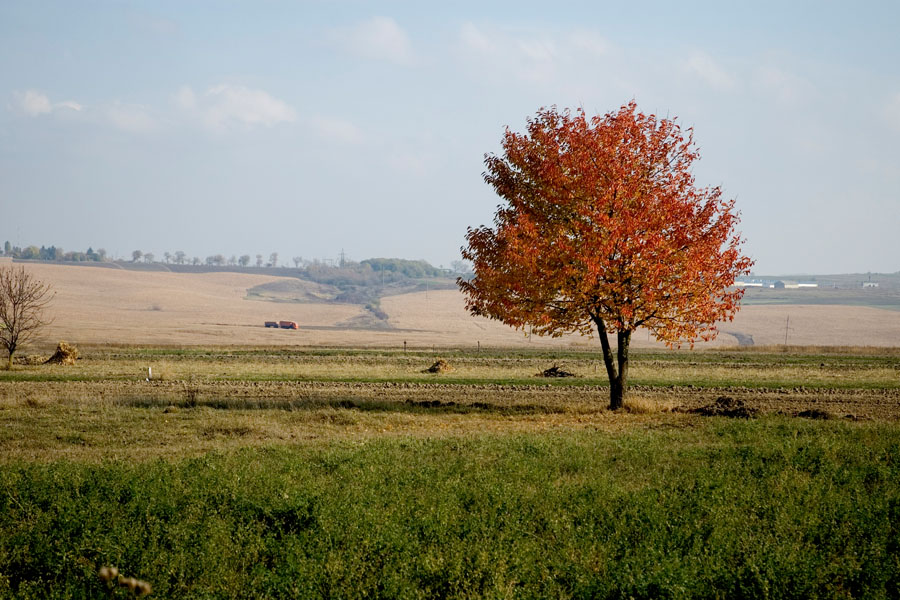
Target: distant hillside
pixel 882 290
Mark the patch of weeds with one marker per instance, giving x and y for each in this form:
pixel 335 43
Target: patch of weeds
pixel 726 406
pixel 226 431
pixel 191 393
pixel 815 413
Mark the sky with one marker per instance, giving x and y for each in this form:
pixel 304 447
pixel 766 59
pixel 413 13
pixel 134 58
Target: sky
pixel 308 128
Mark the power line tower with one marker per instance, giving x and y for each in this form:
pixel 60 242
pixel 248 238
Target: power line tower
pixel 787 327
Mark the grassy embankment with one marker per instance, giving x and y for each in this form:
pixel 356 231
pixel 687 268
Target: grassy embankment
pixel 366 480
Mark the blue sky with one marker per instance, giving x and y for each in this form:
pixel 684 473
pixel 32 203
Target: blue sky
pixel 305 128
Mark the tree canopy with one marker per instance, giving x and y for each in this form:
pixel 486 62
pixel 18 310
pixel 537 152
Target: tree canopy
pixel 603 229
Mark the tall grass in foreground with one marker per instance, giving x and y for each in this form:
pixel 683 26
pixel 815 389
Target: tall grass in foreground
pixel 775 508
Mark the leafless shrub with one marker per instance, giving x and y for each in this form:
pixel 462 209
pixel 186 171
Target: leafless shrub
pixel 23 299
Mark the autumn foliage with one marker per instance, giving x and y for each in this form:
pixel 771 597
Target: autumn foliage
pixel 603 229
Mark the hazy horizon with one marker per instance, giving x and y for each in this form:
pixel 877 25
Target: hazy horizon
pixel 310 128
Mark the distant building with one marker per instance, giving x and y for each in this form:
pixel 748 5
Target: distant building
pixel 753 283
pixel 870 284
pixel 772 284
pixel 785 285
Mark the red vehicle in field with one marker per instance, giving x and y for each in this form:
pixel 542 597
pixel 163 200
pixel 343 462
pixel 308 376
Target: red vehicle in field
pixel 283 324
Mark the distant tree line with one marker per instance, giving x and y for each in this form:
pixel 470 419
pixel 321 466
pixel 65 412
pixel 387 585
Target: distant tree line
pixel 344 272
pixel 414 269
pixel 53 253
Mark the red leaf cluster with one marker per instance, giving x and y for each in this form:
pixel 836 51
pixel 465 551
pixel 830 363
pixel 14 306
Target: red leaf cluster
pixel 603 226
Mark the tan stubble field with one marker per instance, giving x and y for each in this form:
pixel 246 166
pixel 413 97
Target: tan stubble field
pixel 98 306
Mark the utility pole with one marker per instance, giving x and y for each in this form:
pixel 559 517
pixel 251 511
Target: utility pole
pixel 787 326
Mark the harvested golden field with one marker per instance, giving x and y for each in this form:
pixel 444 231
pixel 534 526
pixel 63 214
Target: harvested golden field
pixel 105 305
pixel 100 306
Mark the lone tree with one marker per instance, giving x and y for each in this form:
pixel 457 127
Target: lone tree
pixel 603 228
pixel 22 302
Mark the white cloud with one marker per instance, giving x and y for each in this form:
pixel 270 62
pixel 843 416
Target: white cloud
pixel 132 118
pixel 533 56
pixel 226 105
pixel 34 103
pixel 892 111
pixel 69 105
pixel 408 163
pixel 379 38
pixel 338 130
pixel 786 88
pixel 185 98
pixel 590 42
pixel 476 40
pixel 529 57
pixel 710 71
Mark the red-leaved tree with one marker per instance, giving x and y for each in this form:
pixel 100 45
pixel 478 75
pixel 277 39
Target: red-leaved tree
pixel 603 229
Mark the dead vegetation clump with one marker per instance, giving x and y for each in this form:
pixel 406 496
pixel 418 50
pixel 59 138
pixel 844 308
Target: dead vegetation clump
pixel 556 371
pixel 439 366
pixel 65 354
pixel 645 406
pixel 30 360
pixel 111 577
pixel 726 406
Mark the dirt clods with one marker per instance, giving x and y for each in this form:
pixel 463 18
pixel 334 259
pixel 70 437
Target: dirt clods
pixel 556 371
pixel 65 354
pixel 726 406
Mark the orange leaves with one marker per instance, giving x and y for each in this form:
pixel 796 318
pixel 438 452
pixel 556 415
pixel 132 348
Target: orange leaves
pixel 603 221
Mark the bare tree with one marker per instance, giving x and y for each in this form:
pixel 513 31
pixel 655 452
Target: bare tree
pixel 136 255
pixel 259 260
pixel 297 261
pixel 22 302
pixel 244 260
pixel 273 259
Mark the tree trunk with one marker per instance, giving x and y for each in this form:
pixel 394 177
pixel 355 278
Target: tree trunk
pixel 618 375
pixel 618 387
pixel 9 362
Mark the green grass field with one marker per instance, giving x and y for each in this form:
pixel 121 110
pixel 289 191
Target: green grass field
pixel 287 473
